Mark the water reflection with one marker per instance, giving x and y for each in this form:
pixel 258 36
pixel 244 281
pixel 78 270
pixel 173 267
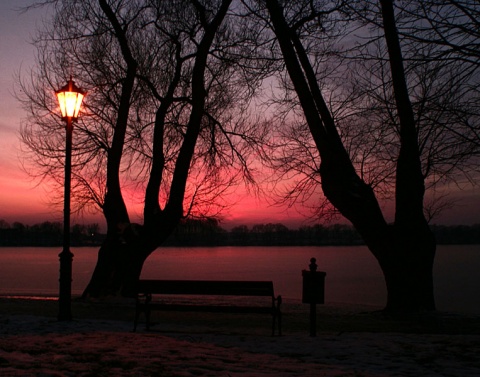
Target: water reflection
pixel 353 275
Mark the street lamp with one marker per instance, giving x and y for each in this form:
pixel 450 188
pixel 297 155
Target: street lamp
pixel 70 99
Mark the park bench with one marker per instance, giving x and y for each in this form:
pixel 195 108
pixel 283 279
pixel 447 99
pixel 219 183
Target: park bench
pixel 193 289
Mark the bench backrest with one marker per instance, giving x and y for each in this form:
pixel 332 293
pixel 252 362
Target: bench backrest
pixel 206 287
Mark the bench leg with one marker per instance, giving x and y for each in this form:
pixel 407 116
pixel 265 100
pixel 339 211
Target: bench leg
pixel 147 319
pixel 138 311
pixel 277 318
pixel 277 315
pixel 279 323
pixel 137 314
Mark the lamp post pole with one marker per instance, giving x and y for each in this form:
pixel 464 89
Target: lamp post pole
pixel 70 98
pixel 66 256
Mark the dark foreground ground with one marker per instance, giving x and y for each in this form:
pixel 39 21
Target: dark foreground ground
pixel 351 341
pixel 331 318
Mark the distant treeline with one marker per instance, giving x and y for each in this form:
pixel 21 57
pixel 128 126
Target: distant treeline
pixel 208 232
pixel 48 234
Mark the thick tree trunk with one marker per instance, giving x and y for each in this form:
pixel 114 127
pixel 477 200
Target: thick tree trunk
pixel 408 268
pixel 108 277
pixel 121 257
pixel 119 264
pixel 405 250
pixel 408 271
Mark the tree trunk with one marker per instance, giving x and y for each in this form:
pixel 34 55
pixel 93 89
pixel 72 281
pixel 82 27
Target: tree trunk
pixel 119 264
pixel 108 277
pixel 405 250
pixel 121 257
pixel 407 268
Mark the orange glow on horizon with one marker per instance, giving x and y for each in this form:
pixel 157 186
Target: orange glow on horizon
pixel 22 201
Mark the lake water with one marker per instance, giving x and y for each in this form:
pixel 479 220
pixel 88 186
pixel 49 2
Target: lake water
pixel 353 275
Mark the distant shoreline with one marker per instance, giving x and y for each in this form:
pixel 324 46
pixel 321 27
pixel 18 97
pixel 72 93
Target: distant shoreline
pixel 198 233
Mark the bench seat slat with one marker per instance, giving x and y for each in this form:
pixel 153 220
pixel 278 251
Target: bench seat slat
pixel 211 308
pixel 206 287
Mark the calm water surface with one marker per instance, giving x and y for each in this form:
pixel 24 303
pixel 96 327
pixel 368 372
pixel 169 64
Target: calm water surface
pixel 353 275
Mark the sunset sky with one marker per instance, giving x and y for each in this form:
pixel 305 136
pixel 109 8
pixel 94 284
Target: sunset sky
pixel 24 200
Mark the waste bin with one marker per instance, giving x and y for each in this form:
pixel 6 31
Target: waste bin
pixel 313 287
pixel 313 292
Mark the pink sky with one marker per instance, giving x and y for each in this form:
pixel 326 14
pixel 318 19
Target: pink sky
pixel 20 198
pixel 19 201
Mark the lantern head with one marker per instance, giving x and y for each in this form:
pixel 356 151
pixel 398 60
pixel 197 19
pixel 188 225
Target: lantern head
pixel 70 99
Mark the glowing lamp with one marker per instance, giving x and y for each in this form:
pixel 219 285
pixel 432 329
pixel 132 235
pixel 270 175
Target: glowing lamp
pixel 70 99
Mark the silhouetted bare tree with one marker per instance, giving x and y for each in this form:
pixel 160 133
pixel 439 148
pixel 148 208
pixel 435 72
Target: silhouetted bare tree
pixel 167 115
pixel 404 139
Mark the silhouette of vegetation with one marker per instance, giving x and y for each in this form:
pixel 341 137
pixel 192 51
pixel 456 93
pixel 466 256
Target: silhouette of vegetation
pixel 375 123
pixel 167 114
pixel 208 232
pixel 48 234
pixel 370 101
